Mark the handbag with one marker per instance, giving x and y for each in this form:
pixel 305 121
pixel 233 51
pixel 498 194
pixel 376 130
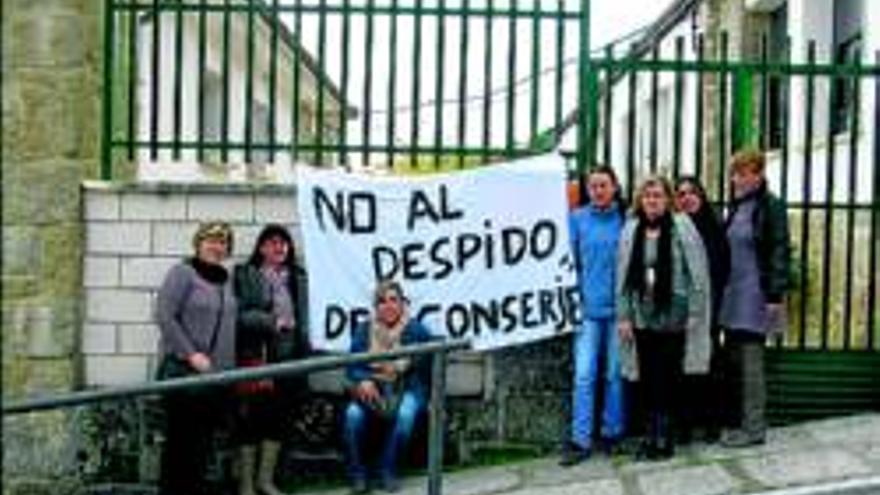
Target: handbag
pixel 171 367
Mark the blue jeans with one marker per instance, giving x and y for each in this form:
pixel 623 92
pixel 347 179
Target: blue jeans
pixel 356 420
pixel 597 337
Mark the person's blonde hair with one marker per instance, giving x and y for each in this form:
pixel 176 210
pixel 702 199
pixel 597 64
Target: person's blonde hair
pixel 385 286
pixel 654 180
pixel 213 229
pixel 750 158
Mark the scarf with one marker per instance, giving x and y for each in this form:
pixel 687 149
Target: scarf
pixel 635 275
pixel 383 339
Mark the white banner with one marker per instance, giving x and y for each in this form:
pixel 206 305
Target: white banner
pixel 482 254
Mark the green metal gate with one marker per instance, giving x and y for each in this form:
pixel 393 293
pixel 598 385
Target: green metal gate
pixel 424 84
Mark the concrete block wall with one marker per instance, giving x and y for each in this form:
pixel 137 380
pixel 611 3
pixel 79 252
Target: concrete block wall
pixel 133 234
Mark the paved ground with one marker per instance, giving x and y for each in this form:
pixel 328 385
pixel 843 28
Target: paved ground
pixel 843 451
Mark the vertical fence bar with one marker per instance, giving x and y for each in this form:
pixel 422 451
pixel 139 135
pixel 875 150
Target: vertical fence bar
pixel 677 109
pixel 343 84
pixel 535 92
pixel 367 101
pixel 487 80
pixel 807 197
pixel 785 96
pixel 608 102
pixel 133 68
pixel 249 84
pixel 593 98
pixel 463 79
pixel 851 200
pixel 416 64
pixel 295 107
pixel 224 110
pixel 203 34
pixel 321 83
pixel 178 79
pixel 107 107
pixel 875 215
pixel 392 85
pixel 436 422
pixel 273 77
pixel 763 141
pixel 560 70
pixel 631 133
pixel 698 126
pixel 785 89
pixel 155 83
pixel 511 78
pixel 655 88
pixel 585 72
pixel 722 122
pixel 830 148
pixel 438 83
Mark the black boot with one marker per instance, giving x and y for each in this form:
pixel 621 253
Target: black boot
pixel 648 447
pixel 664 437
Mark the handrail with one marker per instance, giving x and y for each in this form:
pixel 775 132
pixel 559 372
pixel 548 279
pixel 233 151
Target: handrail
pixel 300 367
pixel 290 368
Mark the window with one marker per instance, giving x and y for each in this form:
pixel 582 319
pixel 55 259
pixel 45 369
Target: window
pixel 848 19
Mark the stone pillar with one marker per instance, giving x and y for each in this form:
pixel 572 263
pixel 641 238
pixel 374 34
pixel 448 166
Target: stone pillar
pixel 50 124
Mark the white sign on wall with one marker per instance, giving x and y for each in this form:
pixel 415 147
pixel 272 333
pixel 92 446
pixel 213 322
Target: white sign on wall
pixel 482 254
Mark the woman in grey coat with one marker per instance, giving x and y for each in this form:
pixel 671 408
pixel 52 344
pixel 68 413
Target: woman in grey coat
pixel 196 314
pixel 662 307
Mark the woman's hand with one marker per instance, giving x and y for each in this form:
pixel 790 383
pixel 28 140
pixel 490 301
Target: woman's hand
pixel 199 362
pixel 283 324
pixel 367 392
pixel 625 330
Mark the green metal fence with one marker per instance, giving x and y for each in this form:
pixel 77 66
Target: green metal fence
pixel 436 84
pixel 456 83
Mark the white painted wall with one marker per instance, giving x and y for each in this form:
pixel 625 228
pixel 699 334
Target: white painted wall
pixel 807 19
pixel 187 168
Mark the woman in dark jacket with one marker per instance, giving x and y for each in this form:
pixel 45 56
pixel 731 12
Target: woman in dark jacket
pixel 195 311
pixel 753 303
pixel 702 399
pixel 269 330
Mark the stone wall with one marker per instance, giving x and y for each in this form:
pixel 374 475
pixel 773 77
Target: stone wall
pixel 50 125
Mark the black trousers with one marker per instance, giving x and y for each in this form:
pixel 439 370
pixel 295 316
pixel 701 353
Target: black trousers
pixel 191 419
pixel 262 417
pixel 702 397
pixel 660 355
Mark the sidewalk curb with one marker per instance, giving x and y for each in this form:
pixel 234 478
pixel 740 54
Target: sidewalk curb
pixel 861 486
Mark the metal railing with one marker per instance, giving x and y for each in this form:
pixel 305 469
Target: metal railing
pixel 688 114
pixel 436 408
pixel 238 81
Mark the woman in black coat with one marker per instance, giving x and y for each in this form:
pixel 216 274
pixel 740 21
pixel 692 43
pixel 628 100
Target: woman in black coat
pixel 702 398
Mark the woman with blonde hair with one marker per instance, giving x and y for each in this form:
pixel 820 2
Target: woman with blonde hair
pixel 196 312
pixel 663 307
